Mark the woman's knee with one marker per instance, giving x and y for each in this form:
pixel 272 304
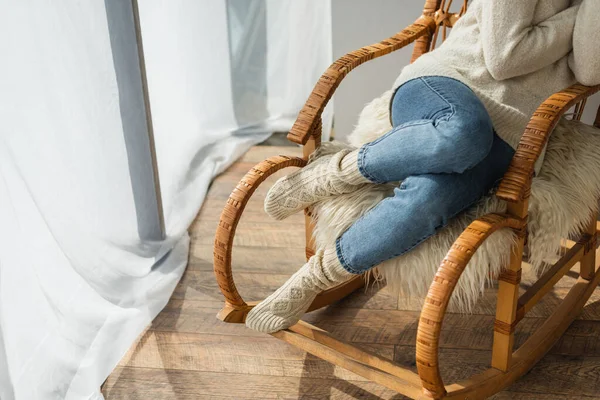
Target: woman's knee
pixel 473 136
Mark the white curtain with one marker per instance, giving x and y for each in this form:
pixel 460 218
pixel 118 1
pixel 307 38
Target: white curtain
pixel 84 261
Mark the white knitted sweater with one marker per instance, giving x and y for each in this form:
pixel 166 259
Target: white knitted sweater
pixel 514 54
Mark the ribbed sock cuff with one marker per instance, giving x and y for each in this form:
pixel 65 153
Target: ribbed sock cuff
pixel 333 267
pixel 349 172
pixel 330 258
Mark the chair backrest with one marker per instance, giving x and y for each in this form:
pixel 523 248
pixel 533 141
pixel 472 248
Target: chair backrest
pixel 446 16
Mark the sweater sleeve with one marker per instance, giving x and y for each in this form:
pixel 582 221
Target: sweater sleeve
pixel 585 59
pixel 514 46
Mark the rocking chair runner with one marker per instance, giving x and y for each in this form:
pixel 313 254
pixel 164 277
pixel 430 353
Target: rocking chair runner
pixel 506 365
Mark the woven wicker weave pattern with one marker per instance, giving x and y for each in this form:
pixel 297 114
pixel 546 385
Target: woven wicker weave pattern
pixel 515 185
pixel 231 215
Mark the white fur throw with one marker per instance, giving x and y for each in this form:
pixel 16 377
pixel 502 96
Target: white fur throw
pixel 563 197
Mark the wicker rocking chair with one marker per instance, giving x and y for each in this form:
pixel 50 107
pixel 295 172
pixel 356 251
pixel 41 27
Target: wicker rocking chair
pixel 507 364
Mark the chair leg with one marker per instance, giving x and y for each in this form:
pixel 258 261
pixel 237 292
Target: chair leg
pixel 588 261
pixel 508 296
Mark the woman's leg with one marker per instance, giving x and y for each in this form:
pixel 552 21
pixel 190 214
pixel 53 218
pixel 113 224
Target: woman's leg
pixel 326 176
pixel 440 126
pixel 419 208
pixel 443 147
pixel 286 306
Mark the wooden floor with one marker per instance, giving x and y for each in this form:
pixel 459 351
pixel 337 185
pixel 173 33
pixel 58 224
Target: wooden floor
pixel 188 354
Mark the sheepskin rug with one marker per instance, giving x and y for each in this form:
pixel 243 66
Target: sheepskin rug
pixel 563 197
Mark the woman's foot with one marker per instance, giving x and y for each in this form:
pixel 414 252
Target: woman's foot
pixel 325 176
pixel 286 306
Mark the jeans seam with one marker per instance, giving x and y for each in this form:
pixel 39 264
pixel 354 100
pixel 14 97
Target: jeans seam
pixel 361 165
pixel 390 114
pixel 410 123
pixel 363 150
pixel 343 262
pixel 448 77
pixel 452 109
pixel 397 128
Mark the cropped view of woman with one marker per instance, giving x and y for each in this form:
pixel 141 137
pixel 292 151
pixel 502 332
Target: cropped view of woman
pixel 458 114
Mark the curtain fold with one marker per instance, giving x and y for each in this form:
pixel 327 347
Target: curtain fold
pixel 84 266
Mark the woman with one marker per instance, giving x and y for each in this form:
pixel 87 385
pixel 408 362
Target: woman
pixel 457 114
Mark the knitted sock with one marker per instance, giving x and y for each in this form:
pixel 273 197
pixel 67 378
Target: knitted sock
pixel 326 176
pixel 286 306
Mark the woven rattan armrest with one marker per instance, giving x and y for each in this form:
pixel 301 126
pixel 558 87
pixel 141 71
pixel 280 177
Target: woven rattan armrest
pixel 515 185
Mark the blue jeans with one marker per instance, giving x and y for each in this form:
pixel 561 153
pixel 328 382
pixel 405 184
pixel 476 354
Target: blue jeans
pixel 444 150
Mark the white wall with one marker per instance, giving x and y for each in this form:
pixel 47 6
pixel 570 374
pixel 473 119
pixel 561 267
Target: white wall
pixel 357 23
